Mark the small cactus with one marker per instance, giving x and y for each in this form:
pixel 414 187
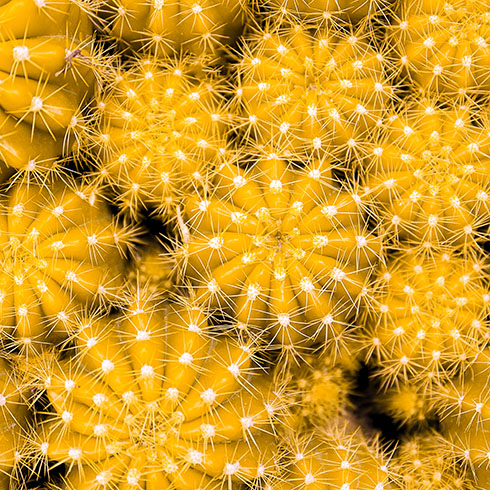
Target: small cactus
pixel 428 172
pixel 160 134
pixel 427 318
pixel 305 92
pixel 423 462
pixel 443 46
pixel 281 248
pixel 60 248
pixel 155 399
pixel 47 74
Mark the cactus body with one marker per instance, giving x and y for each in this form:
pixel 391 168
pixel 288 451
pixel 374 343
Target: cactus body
pixel 161 133
pixel 305 92
pixel 429 317
pixel 46 76
pixel 60 248
pixel 443 46
pixel 281 248
pixel 159 402
pixel 430 175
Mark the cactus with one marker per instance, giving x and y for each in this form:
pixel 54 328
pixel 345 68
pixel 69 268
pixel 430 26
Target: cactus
pixel 462 404
pixel 281 248
pixel 428 172
pixel 307 92
pixel 60 248
pixel 47 74
pixel 428 317
pixel 339 457
pixel 423 462
pixel 318 12
pixel 160 134
pixel 165 28
pixel 443 46
pixel 318 390
pixel 155 399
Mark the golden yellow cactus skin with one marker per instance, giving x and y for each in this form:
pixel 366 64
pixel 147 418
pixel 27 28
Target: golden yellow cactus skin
pixel 429 174
pixel 60 247
pixel 443 46
pixel 318 389
pixel 46 75
pixel 429 317
pixel 281 247
pixel 157 401
pixel 306 92
pixel 161 132
pixel 176 26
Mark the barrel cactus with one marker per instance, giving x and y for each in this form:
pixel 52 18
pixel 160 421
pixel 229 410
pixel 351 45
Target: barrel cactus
pixel 160 133
pixel 428 172
pixel 428 317
pixel 170 27
pixel 48 62
pixel 154 399
pixel 443 46
pixel 280 247
pixel 306 92
pixel 60 248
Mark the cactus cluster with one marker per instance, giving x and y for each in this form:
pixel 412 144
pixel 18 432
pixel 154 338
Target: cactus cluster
pixel 243 245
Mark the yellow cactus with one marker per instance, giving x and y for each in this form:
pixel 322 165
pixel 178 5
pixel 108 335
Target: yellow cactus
pixel 60 247
pixel 318 12
pixel 308 92
pixel 462 404
pixel 155 400
pixel 318 390
pixel 161 132
pixel 443 46
pixel 46 76
pixel 177 26
pixel 339 457
pixel 280 247
pixel 429 174
pixel 428 318
pixel 423 462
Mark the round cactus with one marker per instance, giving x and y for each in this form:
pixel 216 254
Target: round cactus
pixel 407 404
pixel 306 92
pixel 169 27
pixel 423 462
pixel 462 404
pixel 427 317
pixel 281 248
pixel 318 391
pixel 160 134
pixel 443 46
pixel 46 76
pixel 338 457
pixel 60 248
pixel 155 400
pixel 429 174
